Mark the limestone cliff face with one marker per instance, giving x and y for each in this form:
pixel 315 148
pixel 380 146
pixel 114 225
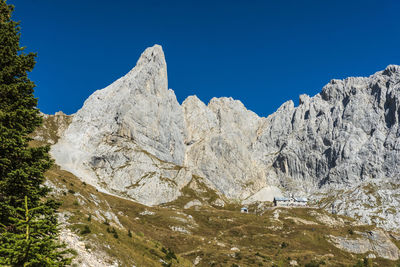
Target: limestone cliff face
pixel 219 142
pixel 133 138
pixel 346 134
pixel 128 138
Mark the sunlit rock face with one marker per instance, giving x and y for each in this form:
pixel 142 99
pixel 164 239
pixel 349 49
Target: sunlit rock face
pixel 339 142
pixel 219 141
pixel 135 140
pixel 128 138
pixel 346 134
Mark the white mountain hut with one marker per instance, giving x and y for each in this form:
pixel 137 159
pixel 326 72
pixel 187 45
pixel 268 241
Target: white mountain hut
pixel 290 201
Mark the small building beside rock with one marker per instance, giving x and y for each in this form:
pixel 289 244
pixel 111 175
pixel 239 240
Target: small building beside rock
pixel 290 201
pixel 300 201
pixel 281 201
pixel 244 210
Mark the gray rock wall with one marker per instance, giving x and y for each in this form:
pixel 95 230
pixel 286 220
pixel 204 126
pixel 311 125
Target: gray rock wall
pixel 347 133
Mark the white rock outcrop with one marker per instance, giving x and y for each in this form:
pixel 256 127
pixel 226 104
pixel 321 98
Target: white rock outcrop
pixel 377 241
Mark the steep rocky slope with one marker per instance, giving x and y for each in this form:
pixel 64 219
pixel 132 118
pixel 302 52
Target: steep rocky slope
pixel 133 139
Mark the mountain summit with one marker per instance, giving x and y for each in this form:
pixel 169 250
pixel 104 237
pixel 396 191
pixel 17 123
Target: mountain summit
pixel 128 137
pixel 133 139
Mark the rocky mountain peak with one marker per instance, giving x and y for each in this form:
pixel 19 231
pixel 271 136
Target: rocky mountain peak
pixel 153 54
pixel 392 70
pixel 133 139
pixel 125 130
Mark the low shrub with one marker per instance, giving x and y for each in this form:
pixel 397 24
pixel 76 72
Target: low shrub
pixel 86 230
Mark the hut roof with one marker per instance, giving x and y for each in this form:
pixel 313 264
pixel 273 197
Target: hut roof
pixel 281 198
pixel 300 199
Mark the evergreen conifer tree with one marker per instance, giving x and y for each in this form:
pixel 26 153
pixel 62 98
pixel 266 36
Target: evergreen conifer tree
pixel 28 222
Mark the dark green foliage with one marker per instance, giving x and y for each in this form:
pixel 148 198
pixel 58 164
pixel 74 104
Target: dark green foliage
pixel 113 231
pixel 284 245
pixel 89 218
pixel 86 230
pixel 129 233
pixel 169 254
pixel 71 191
pixel 115 235
pixel 28 223
pixel 312 264
pixel 350 231
pixel 364 263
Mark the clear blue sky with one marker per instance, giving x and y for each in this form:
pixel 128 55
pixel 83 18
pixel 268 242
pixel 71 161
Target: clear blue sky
pixel 260 52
